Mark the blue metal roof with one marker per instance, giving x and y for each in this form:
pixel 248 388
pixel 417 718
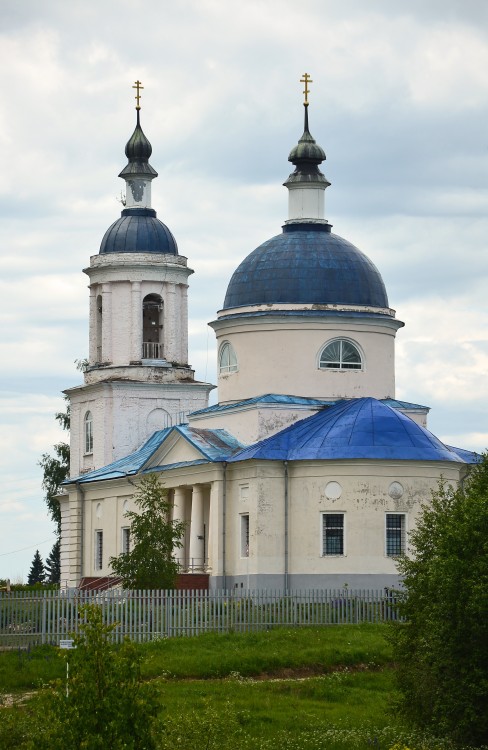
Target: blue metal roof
pixel 361 428
pixel 268 398
pixel 393 402
pixel 278 398
pixel 306 264
pixel 138 231
pixel 214 445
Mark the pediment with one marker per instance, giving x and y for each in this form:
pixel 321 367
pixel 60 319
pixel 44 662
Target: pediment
pixel 175 449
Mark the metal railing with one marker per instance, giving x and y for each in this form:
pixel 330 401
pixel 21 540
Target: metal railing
pixel 151 350
pixel 48 616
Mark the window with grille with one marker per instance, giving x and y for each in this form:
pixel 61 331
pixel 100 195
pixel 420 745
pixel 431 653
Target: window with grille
pixel 245 535
pixel 88 432
pixel 340 355
pixel 395 534
pixel 333 534
pixel 98 550
pixel 125 540
pixel 227 359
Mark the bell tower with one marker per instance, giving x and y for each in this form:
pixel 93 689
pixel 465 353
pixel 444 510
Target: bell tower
pixel 137 379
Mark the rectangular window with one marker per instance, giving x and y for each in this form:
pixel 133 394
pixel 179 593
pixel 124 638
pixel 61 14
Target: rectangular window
pixel 245 535
pixel 125 539
pixel 395 534
pixel 98 550
pixel 333 534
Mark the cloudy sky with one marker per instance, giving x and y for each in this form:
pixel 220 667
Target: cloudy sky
pixel 399 103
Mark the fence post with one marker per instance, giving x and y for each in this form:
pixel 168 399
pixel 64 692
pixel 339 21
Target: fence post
pixel 44 622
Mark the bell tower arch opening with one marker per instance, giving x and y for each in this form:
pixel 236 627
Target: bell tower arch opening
pixel 152 327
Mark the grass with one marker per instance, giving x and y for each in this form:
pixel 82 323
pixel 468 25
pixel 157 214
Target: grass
pixel 324 688
pixel 311 650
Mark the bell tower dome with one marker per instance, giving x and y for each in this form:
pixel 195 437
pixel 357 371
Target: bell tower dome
pixel 137 379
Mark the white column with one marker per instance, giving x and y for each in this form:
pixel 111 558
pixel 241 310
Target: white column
pixel 197 531
pixel 136 322
pixel 106 323
pixel 183 318
pixel 214 537
pixel 179 499
pixel 169 326
pixel 92 331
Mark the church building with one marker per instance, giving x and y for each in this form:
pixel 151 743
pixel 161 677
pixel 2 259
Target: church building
pixel 307 473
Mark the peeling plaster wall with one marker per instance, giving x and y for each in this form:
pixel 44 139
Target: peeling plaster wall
pixel 281 356
pixel 125 414
pixel 364 500
pixel 250 424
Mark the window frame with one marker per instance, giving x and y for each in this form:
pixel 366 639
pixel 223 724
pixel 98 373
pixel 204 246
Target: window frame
pixel 231 367
pixel 98 561
pixel 323 534
pixel 244 535
pixel 341 365
pixel 125 540
pixel 88 433
pixel 402 529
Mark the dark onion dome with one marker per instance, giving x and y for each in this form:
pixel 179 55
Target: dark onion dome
pixel 138 150
pixel 306 264
pixel 138 231
pixel 306 156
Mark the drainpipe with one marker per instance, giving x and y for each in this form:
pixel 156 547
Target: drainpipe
pixel 285 464
pixel 82 528
pixel 224 512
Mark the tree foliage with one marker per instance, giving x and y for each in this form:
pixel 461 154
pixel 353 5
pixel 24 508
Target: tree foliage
pixel 37 573
pixel 153 539
pixel 53 563
pixel 442 649
pixel 104 702
pixel 56 470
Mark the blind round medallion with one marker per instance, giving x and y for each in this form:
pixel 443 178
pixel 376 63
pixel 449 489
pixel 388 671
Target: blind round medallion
pixel 333 490
pixel 395 490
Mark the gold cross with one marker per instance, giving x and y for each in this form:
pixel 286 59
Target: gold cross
pixel 306 80
pixel 138 86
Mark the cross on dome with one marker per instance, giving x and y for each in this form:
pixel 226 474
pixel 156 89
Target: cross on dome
pixel 306 80
pixel 138 86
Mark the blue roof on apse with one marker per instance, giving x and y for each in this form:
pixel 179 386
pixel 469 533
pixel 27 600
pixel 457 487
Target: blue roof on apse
pixel 138 231
pixel 306 264
pixel 268 398
pixel 215 445
pixel 361 428
pixel 277 398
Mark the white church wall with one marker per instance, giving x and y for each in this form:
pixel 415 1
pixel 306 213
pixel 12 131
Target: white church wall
pixel 368 491
pixel 284 358
pixel 256 422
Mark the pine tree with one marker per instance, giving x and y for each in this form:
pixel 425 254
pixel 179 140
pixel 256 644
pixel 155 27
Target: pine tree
pixel 53 564
pixel 37 573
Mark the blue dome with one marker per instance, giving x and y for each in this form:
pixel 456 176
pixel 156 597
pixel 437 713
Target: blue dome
pixel 138 231
pixel 354 429
pixel 307 264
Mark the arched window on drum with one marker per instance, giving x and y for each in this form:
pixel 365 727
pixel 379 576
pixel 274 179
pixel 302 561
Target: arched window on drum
pixel 227 359
pixel 340 354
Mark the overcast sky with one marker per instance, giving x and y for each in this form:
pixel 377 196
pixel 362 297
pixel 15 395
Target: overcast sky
pixel 399 102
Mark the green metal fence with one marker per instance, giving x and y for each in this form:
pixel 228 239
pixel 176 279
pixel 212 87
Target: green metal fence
pixel 49 616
